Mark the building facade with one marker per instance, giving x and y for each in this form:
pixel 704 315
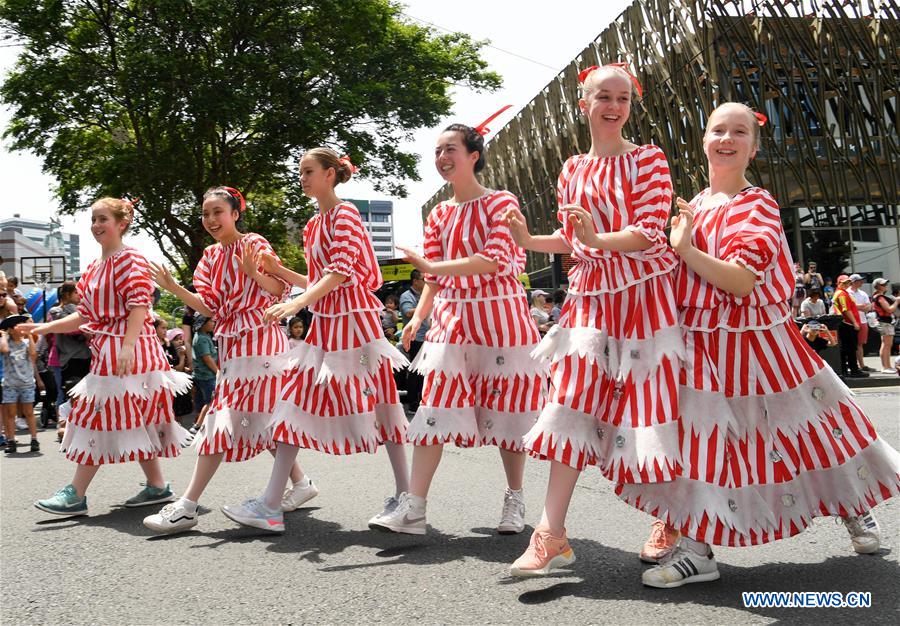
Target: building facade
pixel 48 240
pixel 378 218
pixel 825 73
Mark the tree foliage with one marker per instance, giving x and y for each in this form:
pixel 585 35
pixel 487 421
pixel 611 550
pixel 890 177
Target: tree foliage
pixel 165 98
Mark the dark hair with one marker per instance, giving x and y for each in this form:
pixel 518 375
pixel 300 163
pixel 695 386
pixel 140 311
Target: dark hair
pixel 559 296
pixel 472 140
pixel 392 298
pixel 415 275
pixel 65 289
pixel 158 321
pixel 298 319
pixel 223 193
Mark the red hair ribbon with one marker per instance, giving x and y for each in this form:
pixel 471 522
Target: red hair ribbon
pixel 237 194
pixel 345 160
pixel 760 118
pixel 132 201
pixel 482 128
pixel 583 74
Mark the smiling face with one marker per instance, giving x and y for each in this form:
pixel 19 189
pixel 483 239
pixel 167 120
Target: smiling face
pixel 451 158
pixel 106 229
pixel 730 141
pixel 219 218
pixel 316 180
pixel 606 102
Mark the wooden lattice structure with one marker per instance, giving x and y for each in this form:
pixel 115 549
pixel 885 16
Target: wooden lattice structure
pixel 825 73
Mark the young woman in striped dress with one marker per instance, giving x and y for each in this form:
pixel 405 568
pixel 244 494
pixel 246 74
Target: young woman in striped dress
pixel 481 385
pixel 614 354
pixel 122 410
pixel 770 435
pixel 339 394
pixel 231 288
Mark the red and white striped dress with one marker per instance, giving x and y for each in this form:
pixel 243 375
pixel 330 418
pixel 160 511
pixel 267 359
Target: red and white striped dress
pixel 115 419
pixel 770 435
pixel 615 352
pixel 481 387
pixel 252 352
pixel 339 395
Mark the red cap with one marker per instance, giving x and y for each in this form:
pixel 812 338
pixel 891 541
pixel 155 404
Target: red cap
pixel 842 279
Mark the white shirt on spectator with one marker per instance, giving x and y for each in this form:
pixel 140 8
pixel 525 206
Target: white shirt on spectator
pixel 861 297
pixel 808 308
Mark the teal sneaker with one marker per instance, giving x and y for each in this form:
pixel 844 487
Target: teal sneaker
pixel 151 495
pixel 64 502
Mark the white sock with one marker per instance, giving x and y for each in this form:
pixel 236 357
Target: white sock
pixel 189 505
pixel 416 503
pixel 303 483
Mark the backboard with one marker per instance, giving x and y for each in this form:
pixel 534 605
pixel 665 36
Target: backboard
pixel 42 269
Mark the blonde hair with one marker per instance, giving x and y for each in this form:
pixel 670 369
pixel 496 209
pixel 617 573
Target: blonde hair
pixel 590 81
pixel 328 158
pixel 121 209
pixel 754 122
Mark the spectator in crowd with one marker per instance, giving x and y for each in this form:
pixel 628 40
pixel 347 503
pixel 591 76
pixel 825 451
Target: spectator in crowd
pixel 297 330
pixel 408 301
pixel 21 306
pixel 828 293
pixel 12 286
pixel 812 306
pixel 206 365
pixel 176 353
pixel 559 297
pixel 813 279
pixel 799 290
pixel 848 330
pixel 539 312
pixel 73 349
pixel 817 336
pixel 390 317
pixel 48 404
pixel 885 307
pixel 20 379
pixel 863 307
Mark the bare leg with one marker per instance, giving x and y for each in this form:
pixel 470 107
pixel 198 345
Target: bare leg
pixel 296 471
pixel 84 474
pixel 9 420
pixel 425 463
pixel 514 466
pixel 204 470
pixel 559 494
pixel 885 352
pixel 397 455
pixel 28 412
pixel 153 472
pixel 285 462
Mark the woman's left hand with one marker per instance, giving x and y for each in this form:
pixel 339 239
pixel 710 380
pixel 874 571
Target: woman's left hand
pixel 249 260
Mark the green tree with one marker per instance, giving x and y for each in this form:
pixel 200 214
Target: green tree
pixel 165 98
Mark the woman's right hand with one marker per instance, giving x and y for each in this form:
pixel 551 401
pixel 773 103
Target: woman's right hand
pixel 162 277
pixel 518 227
pixel 409 332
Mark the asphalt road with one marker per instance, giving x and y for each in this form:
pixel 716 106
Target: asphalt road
pixel 328 567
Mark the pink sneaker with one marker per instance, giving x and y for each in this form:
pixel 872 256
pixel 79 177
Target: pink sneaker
pixel 660 544
pixel 544 553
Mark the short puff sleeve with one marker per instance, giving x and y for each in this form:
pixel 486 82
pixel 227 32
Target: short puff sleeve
pixel 651 202
pixel 346 244
pixel 499 245
pixel 133 280
pixel 753 233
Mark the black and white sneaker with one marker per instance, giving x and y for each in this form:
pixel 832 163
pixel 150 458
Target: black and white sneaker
pixel 173 518
pixel 683 566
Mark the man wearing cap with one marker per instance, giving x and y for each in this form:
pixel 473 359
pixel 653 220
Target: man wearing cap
pixel 863 306
pixel 812 306
pixel 845 306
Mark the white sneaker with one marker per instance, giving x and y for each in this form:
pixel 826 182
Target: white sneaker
pixel 889 370
pixel 864 532
pixel 21 424
pixel 683 566
pixel 172 518
pixel 408 518
pixel 512 520
pixel 297 495
pixel 255 513
pixel 390 505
